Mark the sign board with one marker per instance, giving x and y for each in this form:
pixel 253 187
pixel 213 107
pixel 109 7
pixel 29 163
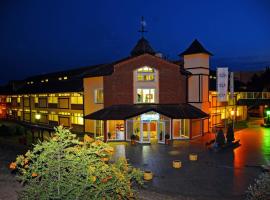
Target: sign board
pixel 222 83
pixel 231 85
pixel 150 117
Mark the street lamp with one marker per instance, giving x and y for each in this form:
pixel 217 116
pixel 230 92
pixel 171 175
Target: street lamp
pixel 232 115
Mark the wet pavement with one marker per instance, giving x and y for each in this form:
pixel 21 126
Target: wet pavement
pixel 222 175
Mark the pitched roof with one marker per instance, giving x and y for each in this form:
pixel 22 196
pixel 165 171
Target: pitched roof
pixel 142 47
pixel 73 85
pixel 121 112
pixel 195 47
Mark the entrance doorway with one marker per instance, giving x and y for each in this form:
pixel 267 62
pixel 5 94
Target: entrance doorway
pixel 153 131
pixel 148 128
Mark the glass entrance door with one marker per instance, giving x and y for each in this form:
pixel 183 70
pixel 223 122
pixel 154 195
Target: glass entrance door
pixel 145 133
pixel 161 132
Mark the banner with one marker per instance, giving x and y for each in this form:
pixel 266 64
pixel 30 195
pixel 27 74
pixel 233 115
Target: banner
pixel 222 83
pixel 231 85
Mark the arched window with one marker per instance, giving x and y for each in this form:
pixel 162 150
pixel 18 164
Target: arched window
pixel 145 74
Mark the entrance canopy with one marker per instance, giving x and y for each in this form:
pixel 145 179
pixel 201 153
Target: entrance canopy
pixel 122 112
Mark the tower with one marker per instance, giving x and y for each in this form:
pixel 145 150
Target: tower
pixel 196 61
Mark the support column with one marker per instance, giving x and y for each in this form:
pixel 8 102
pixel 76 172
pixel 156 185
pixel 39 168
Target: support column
pixel 105 130
pixel 171 129
pixel 190 129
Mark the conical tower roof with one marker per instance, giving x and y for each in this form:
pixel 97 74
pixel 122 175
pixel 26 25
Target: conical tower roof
pixel 142 47
pixel 195 47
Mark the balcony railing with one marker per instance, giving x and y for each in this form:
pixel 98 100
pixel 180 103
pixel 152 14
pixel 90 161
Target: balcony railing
pixel 254 95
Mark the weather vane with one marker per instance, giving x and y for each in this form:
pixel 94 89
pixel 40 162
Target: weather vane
pixel 143 25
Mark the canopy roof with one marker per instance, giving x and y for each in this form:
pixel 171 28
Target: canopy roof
pixel 121 112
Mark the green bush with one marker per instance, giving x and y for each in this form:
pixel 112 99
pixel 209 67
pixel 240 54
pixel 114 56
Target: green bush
pixel 65 168
pixel 260 190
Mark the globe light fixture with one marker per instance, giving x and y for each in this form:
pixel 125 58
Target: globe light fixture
pixel 37 116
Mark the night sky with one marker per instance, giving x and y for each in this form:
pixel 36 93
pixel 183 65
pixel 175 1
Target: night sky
pixel 44 36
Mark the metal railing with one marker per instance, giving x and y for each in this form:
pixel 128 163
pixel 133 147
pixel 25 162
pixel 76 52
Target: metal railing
pixel 254 95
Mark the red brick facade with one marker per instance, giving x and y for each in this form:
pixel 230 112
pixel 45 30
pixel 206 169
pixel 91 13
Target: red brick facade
pixel 118 87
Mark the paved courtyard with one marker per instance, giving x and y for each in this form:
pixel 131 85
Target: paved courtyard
pixel 223 175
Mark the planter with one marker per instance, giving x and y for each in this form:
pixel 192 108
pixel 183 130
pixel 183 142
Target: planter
pixel 193 157
pixel 177 164
pixel 148 175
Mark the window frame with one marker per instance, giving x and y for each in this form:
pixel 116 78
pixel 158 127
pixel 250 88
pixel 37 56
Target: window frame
pixel 95 96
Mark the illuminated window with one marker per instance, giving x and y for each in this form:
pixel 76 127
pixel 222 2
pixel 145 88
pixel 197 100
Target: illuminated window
pixel 145 74
pixel 36 99
pixel 18 99
pixel 77 100
pixel 65 78
pixel 42 81
pixel 53 117
pixel 60 78
pixel 77 118
pixel 46 80
pixel 8 99
pixel 32 82
pixel 99 96
pixel 52 99
pixel 146 95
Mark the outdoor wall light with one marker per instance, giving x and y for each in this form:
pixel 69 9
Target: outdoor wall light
pixel 37 116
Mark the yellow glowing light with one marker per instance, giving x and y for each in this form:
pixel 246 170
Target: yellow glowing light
pixel 232 112
pixel 38 116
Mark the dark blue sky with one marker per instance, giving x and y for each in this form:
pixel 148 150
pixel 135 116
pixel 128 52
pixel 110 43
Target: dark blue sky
pixel 43 36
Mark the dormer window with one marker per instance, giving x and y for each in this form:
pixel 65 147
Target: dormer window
pixel 145 74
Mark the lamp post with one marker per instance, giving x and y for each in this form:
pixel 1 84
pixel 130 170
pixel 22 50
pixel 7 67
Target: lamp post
pixel 232 115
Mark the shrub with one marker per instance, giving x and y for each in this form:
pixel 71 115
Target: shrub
pixel 230 134
pixel 260 190
pixel 220 138
pixel 65 168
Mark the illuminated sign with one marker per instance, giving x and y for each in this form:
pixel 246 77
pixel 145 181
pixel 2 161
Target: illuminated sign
pixel 149 117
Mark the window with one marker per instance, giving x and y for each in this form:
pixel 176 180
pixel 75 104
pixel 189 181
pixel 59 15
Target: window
pixel 63 103
pixel 145 74
pixel 53 117
pixel 145 95
pixel 26 101
pixel 77 118
pixel 77 99
pixel 98 128
pixel 99 96
pixel 64 121
pixel 52 99
pixel 42 102
pixel 8 99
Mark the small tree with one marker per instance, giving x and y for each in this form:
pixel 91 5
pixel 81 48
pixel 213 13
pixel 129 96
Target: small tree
pixel 65 168
pixel 260 190
pixel 230 134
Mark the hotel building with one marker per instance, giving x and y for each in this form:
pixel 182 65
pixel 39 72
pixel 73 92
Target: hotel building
pixel 143 95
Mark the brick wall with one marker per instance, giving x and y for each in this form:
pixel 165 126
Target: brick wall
pixel 118 87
